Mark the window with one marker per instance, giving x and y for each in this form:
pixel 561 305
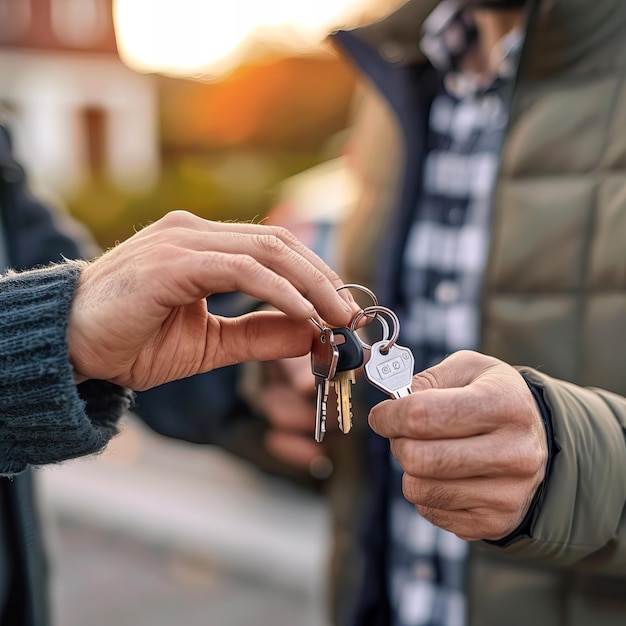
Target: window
pixel 94 124
pixel 79 23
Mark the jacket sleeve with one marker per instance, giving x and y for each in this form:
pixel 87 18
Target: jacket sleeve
pixel 44 416
pixel 581 518
pixel 37 233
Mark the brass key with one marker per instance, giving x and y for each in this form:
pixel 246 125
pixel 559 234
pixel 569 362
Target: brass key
pixel 350 358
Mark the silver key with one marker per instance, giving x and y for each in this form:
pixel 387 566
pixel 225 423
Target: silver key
pixel 391 372
pixel 324 357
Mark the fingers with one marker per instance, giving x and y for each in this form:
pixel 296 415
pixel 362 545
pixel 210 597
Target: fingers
pixel 488 397
pixel 288 410
pixel 297 450
pixel 297 372
pixel 183 219
pixel 455 459
pixel 175 277
pixel 433 414
pixel 469 524
pixel 258 336
pixel 457 370
pixel 457 495
pixel 291 415
pixel 486 502
pixel 272 247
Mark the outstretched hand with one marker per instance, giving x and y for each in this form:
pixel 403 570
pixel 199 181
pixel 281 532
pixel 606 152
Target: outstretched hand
pixel 139 316
pixel 471 442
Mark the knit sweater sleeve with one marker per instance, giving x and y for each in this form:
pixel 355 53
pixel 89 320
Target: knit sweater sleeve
pixel 44 416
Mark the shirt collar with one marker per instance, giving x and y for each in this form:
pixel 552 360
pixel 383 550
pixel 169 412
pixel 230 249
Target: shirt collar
pixel 449 33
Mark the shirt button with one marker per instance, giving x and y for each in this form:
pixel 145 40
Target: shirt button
pixel 447 292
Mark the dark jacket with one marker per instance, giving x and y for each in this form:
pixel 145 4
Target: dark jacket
pixel 34 236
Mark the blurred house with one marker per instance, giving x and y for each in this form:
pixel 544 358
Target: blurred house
pixel 78 109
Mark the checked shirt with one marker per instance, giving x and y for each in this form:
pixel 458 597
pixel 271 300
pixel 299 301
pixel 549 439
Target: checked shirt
pixel 443 265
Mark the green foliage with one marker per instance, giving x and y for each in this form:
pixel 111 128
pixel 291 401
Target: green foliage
pixel 239 185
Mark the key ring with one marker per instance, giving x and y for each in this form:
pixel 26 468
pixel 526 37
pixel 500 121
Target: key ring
pixel 372 295
pixel 366 291
pixel 378 309
pixel 321 328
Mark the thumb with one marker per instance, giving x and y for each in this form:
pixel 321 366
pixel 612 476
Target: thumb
pixel 457 370
pixel 258 336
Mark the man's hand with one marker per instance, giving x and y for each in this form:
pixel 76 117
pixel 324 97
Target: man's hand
pixel 287 400
pixel 472 444
pixel 288 403
pixel 139 316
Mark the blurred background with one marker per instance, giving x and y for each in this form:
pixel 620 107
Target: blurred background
pixel 122 111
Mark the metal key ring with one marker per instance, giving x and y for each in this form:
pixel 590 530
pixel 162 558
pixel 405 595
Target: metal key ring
pixel 378 309
pixel 375 316
pixel 322 328
pixel 366 291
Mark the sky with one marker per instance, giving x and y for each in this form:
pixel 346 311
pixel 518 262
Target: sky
pixel 207 37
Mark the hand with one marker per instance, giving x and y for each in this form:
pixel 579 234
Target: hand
pixel 471 442
pixel 287 400
pixel 139 316
pixel 288 403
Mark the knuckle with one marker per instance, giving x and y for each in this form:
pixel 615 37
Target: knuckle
pixel 271 244
pixel 242 264
pixel 429 378
pixel 505 500
pixel 529 459
pixel 410 489
pixel 177 218
pixel 412 460
pixel 417 421
pixel 285 235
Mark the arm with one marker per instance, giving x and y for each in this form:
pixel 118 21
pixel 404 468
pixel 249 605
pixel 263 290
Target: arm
pixel 581 516
pixel 35 335
pixel 44 416
pixel 137 317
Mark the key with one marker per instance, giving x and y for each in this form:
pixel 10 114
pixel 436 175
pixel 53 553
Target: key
pixel 324 357
pixel 350 358
pixel 392 371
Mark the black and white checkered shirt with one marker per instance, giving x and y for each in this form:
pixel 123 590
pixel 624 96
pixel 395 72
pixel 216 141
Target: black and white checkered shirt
pixel 443 264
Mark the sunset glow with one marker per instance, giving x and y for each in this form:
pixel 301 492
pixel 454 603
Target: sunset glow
pixel 209 37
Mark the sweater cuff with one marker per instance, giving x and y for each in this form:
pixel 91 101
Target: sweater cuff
pixel 44 416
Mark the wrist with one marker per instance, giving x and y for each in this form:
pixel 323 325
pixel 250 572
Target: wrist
pixel 525 527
